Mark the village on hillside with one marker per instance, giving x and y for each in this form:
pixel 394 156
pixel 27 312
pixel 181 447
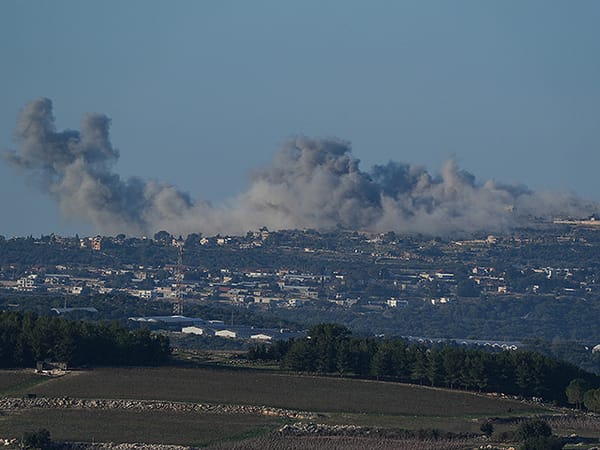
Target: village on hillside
pixel 294 269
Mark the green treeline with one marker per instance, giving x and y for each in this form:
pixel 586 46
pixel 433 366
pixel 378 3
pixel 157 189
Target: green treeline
pixel 331 349
pixel 26 338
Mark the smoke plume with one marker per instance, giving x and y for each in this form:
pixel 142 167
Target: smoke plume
pixel 311 183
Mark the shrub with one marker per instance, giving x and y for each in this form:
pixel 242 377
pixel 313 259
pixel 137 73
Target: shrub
pixel 542 443
pixel 39 439
pixel 487 428
pixel 533 428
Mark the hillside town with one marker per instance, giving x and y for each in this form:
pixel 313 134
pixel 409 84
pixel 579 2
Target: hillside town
pixel 293 269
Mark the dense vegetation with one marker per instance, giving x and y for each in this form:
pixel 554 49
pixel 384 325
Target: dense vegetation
pixel 331 349
pixel 501 318
pixel 26 338
pixel 564 329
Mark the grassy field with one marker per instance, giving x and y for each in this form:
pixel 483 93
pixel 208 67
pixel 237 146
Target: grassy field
pixel 319 394
pixel 338 401
pixel 14 381
pixel 167 427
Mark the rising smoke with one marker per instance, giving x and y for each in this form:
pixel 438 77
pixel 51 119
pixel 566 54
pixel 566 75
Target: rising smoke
pixel 311 183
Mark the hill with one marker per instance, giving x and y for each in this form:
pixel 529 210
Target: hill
pixel 202 406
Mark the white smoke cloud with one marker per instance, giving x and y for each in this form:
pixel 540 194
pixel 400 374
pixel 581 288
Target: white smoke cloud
pixel 311 183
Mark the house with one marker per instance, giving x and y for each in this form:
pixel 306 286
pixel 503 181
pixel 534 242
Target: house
pixel 51 368
pixel 231 334
pixel 396 303
pixel 56 279
pixel 97 243
pixel 194 330
pixel 261 337
pixel 28 283
pixel 266 300
pixel 144 294
pixel 444 276
pixel 295 302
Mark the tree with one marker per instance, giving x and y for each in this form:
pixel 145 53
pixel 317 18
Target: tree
pixel 533 428
pixel 382 362
pixel 364 350
pixel 345 358
pixel 453 362
pixel 576 390
pixel 300 357
pixel 591 400
pixel 478 371
pixel 193 240
pixel 324 340
pixel 419 366
pixel 542 443
pixel 435 367
pixel 163 236
pixel 536 434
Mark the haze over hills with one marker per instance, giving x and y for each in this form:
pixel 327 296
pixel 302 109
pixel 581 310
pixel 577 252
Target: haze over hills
pixel 310 183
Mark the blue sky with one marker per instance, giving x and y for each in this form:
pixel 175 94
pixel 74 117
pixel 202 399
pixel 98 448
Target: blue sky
pixel 201 93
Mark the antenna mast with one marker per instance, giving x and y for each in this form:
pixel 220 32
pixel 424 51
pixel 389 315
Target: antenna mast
pixel 178 305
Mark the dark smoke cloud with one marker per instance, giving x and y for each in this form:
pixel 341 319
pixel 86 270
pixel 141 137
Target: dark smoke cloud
pixel 311 183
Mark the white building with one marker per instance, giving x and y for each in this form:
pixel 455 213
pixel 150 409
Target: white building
pixel 27 283
pixel 232 334
pixel 194 330
pixel 261 337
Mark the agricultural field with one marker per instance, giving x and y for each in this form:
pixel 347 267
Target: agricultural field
pixel 343 443
pixel 169 427
pixel 247 387
pixel 17 380
pixel 333 402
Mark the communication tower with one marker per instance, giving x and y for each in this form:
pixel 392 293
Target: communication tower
pixel 178 305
